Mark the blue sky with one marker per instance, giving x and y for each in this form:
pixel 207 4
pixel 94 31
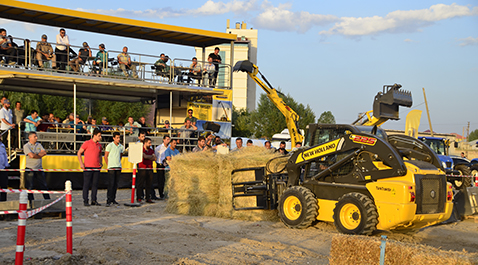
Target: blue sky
pixel 333 55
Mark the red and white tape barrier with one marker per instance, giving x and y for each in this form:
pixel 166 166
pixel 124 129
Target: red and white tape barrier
pixel 33 212
pixel 74 170
pixel 32 191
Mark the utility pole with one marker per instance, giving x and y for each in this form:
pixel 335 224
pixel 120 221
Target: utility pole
pixel 428 113
pixel 468 131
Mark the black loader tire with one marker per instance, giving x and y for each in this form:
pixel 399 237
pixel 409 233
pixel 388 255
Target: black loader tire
pixel 298 207
pixel 465 182
pixel 355 213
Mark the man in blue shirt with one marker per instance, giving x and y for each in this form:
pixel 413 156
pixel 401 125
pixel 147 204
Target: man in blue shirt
pixel 32 121
pixel 170 152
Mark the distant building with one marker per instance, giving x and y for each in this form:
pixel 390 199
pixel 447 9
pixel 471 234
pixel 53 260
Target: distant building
pixel 245 48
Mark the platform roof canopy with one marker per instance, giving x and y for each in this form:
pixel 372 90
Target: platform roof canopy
pixel 117 26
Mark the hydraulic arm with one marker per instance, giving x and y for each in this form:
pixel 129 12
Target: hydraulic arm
pixel 291 117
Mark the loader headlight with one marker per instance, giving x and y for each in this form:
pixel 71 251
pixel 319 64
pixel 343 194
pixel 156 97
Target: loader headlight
pixel 443 164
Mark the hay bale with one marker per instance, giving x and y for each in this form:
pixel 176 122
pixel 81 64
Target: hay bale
pixel 347 249
pixel 200 183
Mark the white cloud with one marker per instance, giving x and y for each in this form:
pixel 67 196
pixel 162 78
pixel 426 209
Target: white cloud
pixel 468 41
pixel 398 21
pixel 409 40
pixel 207 9
pixel 280 18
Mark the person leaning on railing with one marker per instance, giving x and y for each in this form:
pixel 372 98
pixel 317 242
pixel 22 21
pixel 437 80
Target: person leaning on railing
pixel 83 55
pixel 45 52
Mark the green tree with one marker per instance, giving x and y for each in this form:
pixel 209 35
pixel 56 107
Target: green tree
pixel 326 117
pixel 241 121
pixel 267 120
pixel 118 111
pixel 473 135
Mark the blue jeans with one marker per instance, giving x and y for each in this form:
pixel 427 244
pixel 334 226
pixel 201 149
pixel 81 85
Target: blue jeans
pixel 36 180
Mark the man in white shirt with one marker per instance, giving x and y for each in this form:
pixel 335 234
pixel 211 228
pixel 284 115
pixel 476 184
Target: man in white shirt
pixel 6 117
pixel 160 174
pixel 62 49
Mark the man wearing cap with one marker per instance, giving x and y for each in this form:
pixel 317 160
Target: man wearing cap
pixel 6 117
pixel 167 125
pixel 101 59
pixel 216 59
pixel 124 61
pixel 45 52
pixel 105 126
pixel 83 55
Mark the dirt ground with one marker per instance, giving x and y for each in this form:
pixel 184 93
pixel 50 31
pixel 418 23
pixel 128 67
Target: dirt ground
pixel 148 235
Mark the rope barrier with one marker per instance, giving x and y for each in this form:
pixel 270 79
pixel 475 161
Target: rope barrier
pixel 32 191
pixel 33 212
pixel 76 170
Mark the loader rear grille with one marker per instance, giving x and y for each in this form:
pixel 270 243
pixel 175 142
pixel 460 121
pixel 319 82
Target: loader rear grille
pixel 431 191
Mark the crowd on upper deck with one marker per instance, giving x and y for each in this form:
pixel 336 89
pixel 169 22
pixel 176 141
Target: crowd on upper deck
pixel 63 55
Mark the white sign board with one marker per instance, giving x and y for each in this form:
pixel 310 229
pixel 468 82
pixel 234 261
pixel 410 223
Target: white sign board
pixel 135 152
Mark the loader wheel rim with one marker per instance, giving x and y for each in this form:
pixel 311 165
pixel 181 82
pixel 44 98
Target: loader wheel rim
pixel 292 208
pixel 350 216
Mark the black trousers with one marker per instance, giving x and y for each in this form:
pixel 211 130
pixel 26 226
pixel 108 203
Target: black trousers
pixel 90 179
pixel 3 185
pixel 36 180
pixel 144 181
pixel 10 54
pixel 113 178
pixel 61 58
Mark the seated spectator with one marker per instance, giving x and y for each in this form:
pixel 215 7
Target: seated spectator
pixel 83 55
pixel 43 127
pixel 195 72
pixel 45 52
pixel 238 144
pixel 6 48
pixel 249 143
pixel 190 117
pixel 209 71
pixel 201 145
pixel 90 128
pixel 25 55
pixel 187 129
pixel 51 118
pixel 101 59
pixel 142 122
pixel 124 61
pixel 32 121
pixel 161 66
pixel 167 125
pixel 281 149
pixel 80 125
pixel 132 126
pixel 70 120
pixel 105 125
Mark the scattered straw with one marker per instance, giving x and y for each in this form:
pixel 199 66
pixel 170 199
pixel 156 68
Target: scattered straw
pixel 346 249
pixel 200 183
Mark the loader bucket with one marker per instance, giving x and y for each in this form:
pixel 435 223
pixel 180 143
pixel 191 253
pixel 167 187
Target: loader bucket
pixel 387 102
pixel 244 66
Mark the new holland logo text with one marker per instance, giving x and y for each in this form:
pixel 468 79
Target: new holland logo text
pixel 319 150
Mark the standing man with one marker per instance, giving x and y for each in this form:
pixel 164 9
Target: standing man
pixel 3 174
pixel 201 145
pixel 34 152
pixel 190 117
pixel 124 61
pixel 62 48
pixel 160 172
pixel 6 118
pixel 32 121
pixel 18 113
pixel 170 152
pixel 145 173
pixel 238 144
pixel 92 150
pixel 216 59
pixel 113 153
pixel 281 149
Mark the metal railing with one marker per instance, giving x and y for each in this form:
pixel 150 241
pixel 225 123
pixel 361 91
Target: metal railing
pixel 143 67
pixel 65 138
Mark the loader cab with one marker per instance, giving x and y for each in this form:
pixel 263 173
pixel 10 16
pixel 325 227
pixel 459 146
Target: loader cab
pixel 321 133
pixel 317 134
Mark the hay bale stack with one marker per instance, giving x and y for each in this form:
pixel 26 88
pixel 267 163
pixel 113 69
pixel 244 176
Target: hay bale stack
pixel 200 183
pixel 346 249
